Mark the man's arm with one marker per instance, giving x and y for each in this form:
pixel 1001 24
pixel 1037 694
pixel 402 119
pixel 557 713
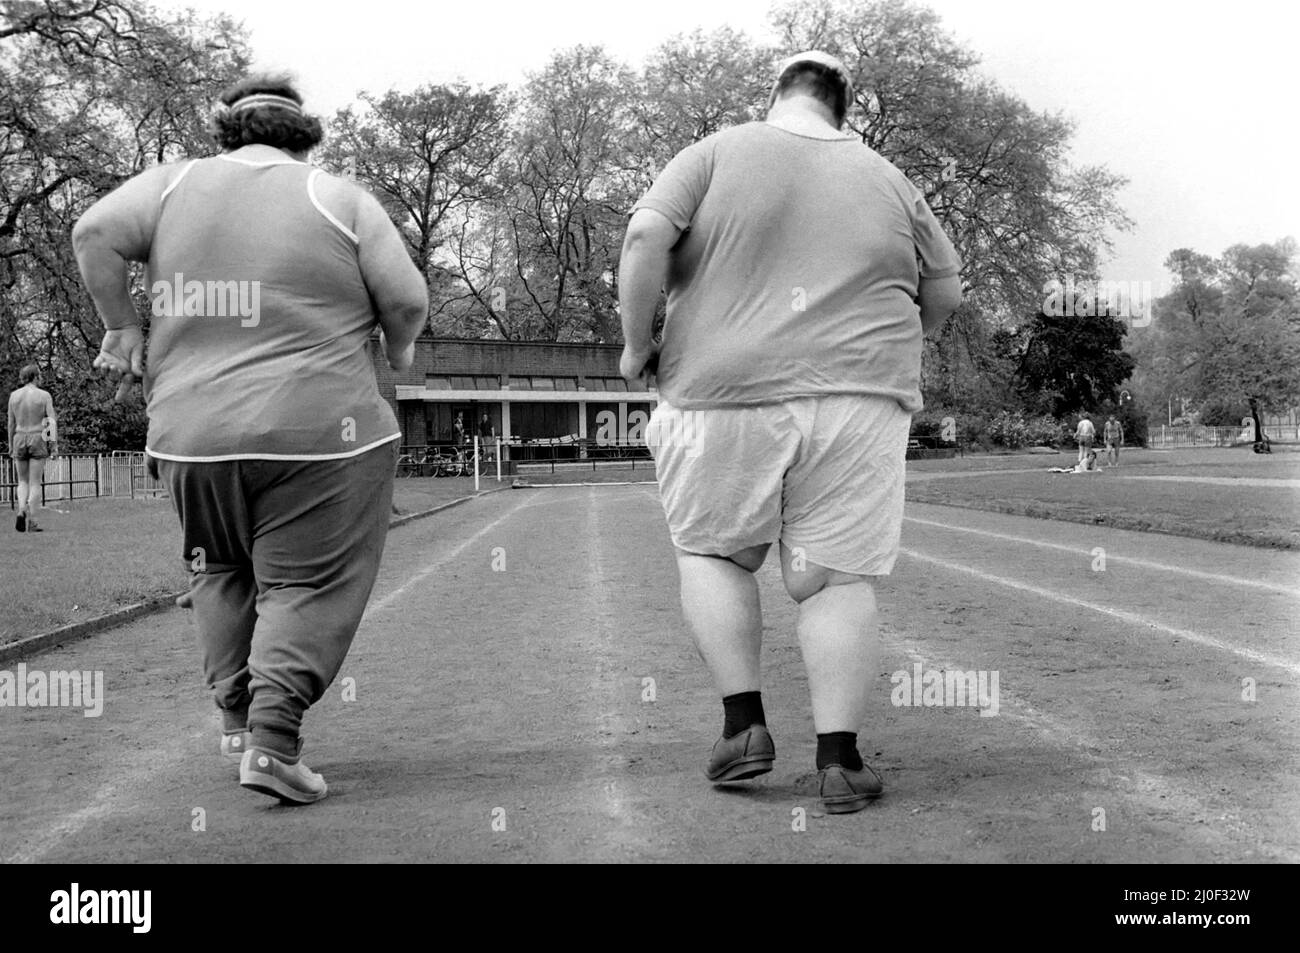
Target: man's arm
pixel 13 423
pixel 642 271
pixel 53 429
pixel 115 230
pixel 396 286
pixel 938 299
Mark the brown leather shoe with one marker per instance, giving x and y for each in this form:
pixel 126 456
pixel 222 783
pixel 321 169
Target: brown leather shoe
pixel 746 755
pixel 844 791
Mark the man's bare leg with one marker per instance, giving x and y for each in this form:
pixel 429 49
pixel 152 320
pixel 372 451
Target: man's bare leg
pixel 23 468
pixel 838 637
pixel 35 474
pixel 721 605
pixel 837 633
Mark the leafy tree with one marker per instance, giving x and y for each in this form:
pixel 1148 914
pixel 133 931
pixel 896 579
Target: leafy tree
pixel 428 155
pixel 691 87
pixel 568 197
pixel 1073 364
pixel 91 93
pixel 1227 335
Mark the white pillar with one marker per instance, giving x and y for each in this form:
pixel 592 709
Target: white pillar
pixel 582 428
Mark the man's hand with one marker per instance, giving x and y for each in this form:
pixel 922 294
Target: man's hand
pixel 400 361
pixel 121 353
pixel 637 365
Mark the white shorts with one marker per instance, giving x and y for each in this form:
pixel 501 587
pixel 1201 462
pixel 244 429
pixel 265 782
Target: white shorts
pixel 820 474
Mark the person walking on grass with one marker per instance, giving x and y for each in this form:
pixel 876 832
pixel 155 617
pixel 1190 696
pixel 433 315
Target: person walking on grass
pixel 1084 434
pixel 1113 433
pixel 268 277
pixel 788 373
pixel 33 433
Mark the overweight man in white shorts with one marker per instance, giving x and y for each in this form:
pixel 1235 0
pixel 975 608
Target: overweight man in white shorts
pixel 802 270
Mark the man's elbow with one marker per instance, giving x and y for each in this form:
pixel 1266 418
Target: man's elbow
pixel 649 232
pixel 85 233
pixel 940 295
pixel 410 310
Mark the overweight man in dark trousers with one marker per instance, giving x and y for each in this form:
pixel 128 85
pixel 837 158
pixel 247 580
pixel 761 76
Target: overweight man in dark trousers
pixel 788 375
pixel 265 418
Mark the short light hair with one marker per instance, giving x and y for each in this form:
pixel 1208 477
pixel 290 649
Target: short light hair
pixel 822 83
pixel 29 373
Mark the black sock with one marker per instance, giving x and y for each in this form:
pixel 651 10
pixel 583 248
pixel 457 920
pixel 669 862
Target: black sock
pixel 742 710
pixel 839 747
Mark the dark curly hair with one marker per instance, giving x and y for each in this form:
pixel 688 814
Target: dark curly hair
pixel 267 125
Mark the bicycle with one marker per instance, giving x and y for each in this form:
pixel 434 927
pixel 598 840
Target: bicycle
pixel 412 464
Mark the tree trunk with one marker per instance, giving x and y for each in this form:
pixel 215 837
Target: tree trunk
pixel 1261 441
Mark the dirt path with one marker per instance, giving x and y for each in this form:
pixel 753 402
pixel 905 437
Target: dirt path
pixel 501 676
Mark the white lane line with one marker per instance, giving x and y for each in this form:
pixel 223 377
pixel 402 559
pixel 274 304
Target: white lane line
pixel 1132 618
pixel 101 804
pixel 65 827
pixel 1279 482
pixel 1157 793
pixel 429 569
pixel 1148 564
pixel 142 767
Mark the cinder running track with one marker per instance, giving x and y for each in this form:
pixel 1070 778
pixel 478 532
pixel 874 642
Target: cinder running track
pixel 503 711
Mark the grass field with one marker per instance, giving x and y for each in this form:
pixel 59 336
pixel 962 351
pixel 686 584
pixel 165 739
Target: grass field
pixel 1239 507
pixel 99 555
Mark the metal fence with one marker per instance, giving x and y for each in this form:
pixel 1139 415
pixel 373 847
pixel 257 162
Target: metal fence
pixel 551 454
pixel 81 476
pixel 1173 438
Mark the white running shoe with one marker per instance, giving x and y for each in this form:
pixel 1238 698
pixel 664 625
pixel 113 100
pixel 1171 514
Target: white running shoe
pixel 292 783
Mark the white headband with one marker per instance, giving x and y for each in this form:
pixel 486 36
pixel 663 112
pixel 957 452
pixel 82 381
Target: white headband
pixel 265 99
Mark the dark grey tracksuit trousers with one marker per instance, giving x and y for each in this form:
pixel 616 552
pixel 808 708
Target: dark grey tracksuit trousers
pixel 284 555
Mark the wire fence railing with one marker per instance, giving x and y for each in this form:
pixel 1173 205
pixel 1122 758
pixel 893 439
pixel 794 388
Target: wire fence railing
pixel 1173 438
pixel 81 476
pixel 549 454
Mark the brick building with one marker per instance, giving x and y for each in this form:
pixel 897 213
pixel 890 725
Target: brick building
pixel 534 393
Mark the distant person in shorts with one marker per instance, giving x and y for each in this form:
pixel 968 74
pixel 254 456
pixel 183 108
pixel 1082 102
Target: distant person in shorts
pixel 33 430
pixel 1113 434
pixel 268 278
pixel 1084 434
pixel 802 271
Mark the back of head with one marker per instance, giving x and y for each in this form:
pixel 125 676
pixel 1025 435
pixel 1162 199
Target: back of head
pixel 264 110
pixel 29 374
pixel 818 75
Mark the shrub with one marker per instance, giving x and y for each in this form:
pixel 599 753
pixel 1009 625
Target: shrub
pixel 1008 430
pixel 1045 431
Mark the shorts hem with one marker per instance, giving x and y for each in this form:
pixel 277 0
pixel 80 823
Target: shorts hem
pixel 721 552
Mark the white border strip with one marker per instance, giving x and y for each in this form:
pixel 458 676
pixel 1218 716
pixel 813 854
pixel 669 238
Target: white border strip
pixel 177 181
pixel 270 162
pixel 311 193
pixel 306 457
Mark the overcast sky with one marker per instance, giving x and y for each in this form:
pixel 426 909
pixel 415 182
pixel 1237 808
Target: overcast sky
pixel 1196 105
